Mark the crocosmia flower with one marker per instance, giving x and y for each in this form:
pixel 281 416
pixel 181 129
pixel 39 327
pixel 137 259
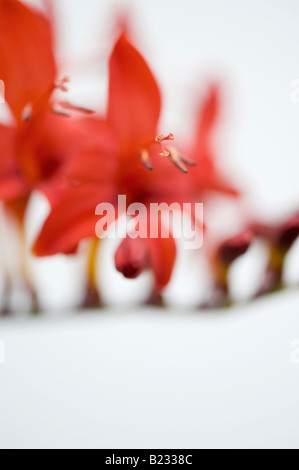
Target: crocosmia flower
pixel 35 148
pixel 133 146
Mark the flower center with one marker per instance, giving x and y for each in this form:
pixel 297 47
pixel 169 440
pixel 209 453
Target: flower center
pixel 168 151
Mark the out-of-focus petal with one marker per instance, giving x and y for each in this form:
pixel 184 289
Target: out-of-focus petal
pixel 162 256
pixel 207 175
pixel 71 220
pixel 96 157
pixel 12 187
pixel 12 183
pixel 134 98
pixel 26 55
pixel 46 145
pixel 208 115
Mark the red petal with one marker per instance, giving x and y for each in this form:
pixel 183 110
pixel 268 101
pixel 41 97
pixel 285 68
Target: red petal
pixel 96 158
pixel 71 220
pixel 12 187
pixel 134 97
pixel 162 256
pixel 26 56
pixel 47 143
pixel 12 183
pixel 208 176
pixel 208 114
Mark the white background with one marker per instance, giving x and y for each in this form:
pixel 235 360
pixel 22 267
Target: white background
pixel 154 379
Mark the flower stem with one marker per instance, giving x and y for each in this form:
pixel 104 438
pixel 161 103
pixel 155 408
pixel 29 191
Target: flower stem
pixel 92 297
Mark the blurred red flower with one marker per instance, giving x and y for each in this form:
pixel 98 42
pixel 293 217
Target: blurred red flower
pixel 35 148
pixel 134 108
pixel 130 145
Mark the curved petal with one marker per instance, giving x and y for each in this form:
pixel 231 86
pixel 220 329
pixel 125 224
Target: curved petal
pixel 71 220
pixel 162 255
pixel 208 114
pixel 26 55
pixel 12 187
pixel 208 177
pixel 134 98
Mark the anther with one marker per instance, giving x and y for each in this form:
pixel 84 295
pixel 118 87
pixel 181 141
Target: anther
pixel 145 160
pixel 61 84
pixel 162 138
pixel 165 154
pixel 27 112
pixel 177 160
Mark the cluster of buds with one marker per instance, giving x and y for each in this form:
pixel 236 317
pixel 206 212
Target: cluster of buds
pixel 278 239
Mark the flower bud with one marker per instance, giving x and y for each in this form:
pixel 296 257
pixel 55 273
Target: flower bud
pixel 131 257
pixel 235 247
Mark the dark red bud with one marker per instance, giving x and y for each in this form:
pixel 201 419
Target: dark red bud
pixel 283 234
pixel 235 247
pixel 289 232
pixel 131 257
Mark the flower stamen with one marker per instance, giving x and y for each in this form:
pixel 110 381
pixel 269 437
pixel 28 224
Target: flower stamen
pixel 61 84
pixel 145 160
pixel 177 159
pixel 161 138
pixel 27 112
pixel 165 154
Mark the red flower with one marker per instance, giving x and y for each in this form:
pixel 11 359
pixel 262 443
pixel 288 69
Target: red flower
pixel 134 108
pixel 113 166
pixel 35 149
pixel 130 145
